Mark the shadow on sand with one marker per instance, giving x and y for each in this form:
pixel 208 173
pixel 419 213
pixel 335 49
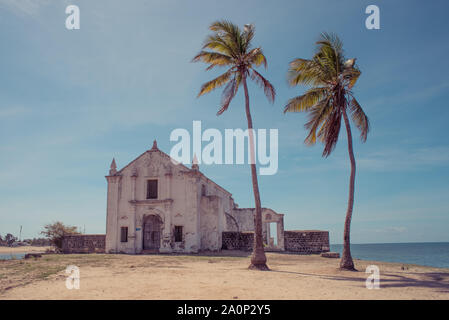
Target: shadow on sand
pixel 433 280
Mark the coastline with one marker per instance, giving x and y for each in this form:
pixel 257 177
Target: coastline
pixel 427 254
pixel 23 249
pixel 42 249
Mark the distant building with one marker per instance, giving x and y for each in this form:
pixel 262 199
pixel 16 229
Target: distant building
pixel 154 205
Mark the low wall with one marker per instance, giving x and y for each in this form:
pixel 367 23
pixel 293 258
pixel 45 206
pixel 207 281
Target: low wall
pixel 306 241
pixel 84 243
pixel 298 241
pixel 234 240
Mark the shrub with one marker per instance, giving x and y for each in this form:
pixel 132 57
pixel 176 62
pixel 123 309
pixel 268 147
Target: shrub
pixel 55 232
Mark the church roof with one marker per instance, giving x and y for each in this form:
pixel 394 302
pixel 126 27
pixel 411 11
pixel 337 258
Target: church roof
pixel 186 169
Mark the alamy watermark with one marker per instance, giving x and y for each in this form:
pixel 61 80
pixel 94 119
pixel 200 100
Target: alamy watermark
pixel 230 151
pixel 73 280
pixel 373 20
pixel 373 280
pixel 72 22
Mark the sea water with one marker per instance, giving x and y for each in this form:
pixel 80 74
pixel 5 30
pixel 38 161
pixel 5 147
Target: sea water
pixel 9 256
pixel 434 254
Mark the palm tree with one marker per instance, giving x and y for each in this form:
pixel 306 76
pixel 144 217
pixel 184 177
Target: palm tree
pixel 329 99
pixel 229 46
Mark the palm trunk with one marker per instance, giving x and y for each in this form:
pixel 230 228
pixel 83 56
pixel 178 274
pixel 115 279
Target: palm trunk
pixel 346 262
pixel 258 258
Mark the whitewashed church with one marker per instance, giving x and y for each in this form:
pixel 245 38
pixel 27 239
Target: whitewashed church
pixel 154 205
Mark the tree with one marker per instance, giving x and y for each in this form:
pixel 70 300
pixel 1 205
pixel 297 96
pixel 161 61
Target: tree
pixel 55 232
pixel 230 47
pixel 10 239
pixel 330 99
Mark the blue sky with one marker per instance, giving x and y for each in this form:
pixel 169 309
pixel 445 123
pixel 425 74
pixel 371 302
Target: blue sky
pixel 72 100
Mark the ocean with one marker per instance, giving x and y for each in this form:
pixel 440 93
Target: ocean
pixel 9 256
pixel 433 254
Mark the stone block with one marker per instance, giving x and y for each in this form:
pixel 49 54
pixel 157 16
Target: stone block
pixel 330 255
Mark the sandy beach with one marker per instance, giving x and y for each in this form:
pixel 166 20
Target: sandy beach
pixel 214 277
pixel 22 249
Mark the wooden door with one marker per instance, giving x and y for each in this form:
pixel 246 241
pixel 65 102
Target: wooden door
pixel 152 233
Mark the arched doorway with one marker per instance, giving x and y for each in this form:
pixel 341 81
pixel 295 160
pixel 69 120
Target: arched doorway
pixel 152 232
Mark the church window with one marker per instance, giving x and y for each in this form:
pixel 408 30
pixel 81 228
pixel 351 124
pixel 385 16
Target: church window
pixel 124 234
pixel 178 233
pixel 152 189
pixel 203 190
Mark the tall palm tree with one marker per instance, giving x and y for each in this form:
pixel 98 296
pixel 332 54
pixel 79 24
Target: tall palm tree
pixel 229 46
pixel 329 99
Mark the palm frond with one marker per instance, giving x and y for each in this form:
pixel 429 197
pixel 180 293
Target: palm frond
pixel 215 83
pixel 359 117
pixel 307 72
pixel 225 27
pixel 331 40
pixel 328 63
pixel 230 33
pixel 229 93
pixel 306 101
pixel 330 48
pixel 331 131
pixel 214 58
pixel 256 57
pixel 248 35
pixel 218 44
pixel 267 87
pixel 317 115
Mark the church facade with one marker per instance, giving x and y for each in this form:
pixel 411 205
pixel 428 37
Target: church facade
pixel 155 205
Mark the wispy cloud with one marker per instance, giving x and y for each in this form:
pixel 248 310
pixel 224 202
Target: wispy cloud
pixel 26 7
pixel 405 159
pixel 391 230
pixel 399 159
pixel 13 111
pixel 390 103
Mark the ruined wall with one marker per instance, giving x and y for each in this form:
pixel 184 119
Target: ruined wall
pixel 209 222
pixel 300 241
pixel 306 241
pixel 242 219
pixel 84 243
pixel 232 240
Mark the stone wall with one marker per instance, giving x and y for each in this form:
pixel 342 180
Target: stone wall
pixel 298 241
pixel 306 241
pixel 232 240
pixel 84 243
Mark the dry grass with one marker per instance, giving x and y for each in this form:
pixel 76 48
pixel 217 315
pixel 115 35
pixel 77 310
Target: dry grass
pixel 15 272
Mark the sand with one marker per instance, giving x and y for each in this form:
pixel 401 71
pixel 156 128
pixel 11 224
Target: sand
pixel 214 277
pixel 22 249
